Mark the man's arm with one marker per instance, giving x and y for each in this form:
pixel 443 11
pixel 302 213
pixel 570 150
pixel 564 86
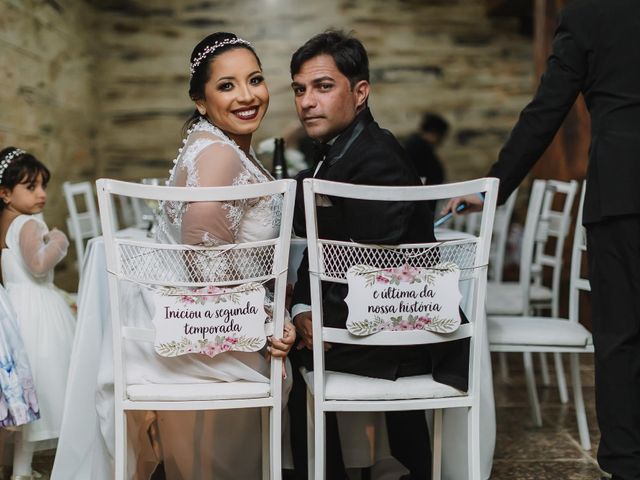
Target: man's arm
pixel 538 123
pixel 559 87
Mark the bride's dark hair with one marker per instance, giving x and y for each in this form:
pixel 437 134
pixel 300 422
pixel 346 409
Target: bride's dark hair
pixel 201 59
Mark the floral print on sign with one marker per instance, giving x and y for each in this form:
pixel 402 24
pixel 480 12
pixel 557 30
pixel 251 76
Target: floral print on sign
pixel 406 305
pixel 211 320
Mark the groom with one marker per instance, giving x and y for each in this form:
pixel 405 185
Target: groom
pixel 330 74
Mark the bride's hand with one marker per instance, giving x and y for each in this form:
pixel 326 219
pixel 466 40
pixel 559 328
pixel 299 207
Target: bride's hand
pixel 279 347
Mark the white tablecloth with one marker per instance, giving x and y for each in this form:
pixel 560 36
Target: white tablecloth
pixel 85 446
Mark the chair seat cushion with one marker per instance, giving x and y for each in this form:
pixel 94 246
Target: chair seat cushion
pixel 539 331
pixel 197 391
pixel 346 386
pixel 505 298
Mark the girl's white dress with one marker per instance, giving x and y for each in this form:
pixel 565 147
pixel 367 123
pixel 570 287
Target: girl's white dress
pixel 18 402
pixel 45 320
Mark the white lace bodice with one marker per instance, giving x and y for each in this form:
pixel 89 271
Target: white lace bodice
pixel 210 158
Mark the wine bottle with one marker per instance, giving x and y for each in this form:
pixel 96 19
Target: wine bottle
pixel 279 170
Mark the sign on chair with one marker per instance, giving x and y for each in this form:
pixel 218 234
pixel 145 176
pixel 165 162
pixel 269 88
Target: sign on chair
pixel 210 320
pixel 403 298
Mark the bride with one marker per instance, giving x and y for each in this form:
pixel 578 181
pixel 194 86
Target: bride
pixel 231 98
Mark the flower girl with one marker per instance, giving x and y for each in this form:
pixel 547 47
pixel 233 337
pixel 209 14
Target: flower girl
pixel 30 251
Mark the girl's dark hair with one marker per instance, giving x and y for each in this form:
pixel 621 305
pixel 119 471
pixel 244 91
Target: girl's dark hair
pixel 24 168
pixel 202 72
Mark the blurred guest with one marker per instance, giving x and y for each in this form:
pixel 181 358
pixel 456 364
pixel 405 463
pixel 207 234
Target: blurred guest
pixel 421 148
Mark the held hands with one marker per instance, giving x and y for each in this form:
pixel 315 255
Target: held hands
pixel 474 204
pixel 279 347
pixel 304 327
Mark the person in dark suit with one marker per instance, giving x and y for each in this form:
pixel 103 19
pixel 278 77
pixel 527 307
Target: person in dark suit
pixel 421 148
pixel 331 86
pixel 595 51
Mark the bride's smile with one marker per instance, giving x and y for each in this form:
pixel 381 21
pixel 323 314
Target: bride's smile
pixel 235 95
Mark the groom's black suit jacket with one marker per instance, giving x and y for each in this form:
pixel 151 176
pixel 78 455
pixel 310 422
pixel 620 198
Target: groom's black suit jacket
pixel 366 154
pixel 595 51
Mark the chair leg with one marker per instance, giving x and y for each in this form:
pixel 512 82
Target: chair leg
pixel 473 442
pixel 437 445
pixel 311 448
pixel 120 444
pixel 544 369
pixel 531 389
pixel 275 431
pixel 578 400
pixel 266 451
pixel 319 440
pixel 562 381
pixel 504 366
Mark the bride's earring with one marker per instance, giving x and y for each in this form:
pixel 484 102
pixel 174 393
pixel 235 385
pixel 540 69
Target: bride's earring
pixel 202 111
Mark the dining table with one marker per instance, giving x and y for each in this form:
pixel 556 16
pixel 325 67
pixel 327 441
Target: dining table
pixel 86 443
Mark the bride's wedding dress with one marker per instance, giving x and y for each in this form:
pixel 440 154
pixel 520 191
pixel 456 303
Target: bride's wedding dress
pixel 217 444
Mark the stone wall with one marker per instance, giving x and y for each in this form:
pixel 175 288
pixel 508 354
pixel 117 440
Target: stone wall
pixel 98 91
pixel 47 101
pixel 441 55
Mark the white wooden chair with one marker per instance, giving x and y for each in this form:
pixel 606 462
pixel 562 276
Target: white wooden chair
pixel 512 298
pixel 81 225
pixel 329 261
pixel 529 294
pixel 186 266
pixel 549 255
pixel 529 334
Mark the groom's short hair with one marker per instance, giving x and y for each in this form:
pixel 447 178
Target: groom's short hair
pixel 347 52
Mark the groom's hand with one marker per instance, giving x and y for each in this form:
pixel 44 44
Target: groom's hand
pixel 304 328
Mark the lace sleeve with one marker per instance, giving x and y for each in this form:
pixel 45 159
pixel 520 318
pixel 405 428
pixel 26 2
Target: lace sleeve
pixel 41 251
pixel 217 165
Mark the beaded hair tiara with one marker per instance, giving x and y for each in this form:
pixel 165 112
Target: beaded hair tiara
pixel 209 49
pixel 7 159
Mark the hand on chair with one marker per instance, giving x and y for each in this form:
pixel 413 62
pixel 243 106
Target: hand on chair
pixel 279 347
pixel 474 204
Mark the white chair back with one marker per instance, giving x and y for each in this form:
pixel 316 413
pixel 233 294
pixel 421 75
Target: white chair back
pixel 329 261
pixel 501 224
pixel 153 265
pixel 81 225
pixel 500 236
pixel 578 282
pixel 553 228
pixel 534 211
